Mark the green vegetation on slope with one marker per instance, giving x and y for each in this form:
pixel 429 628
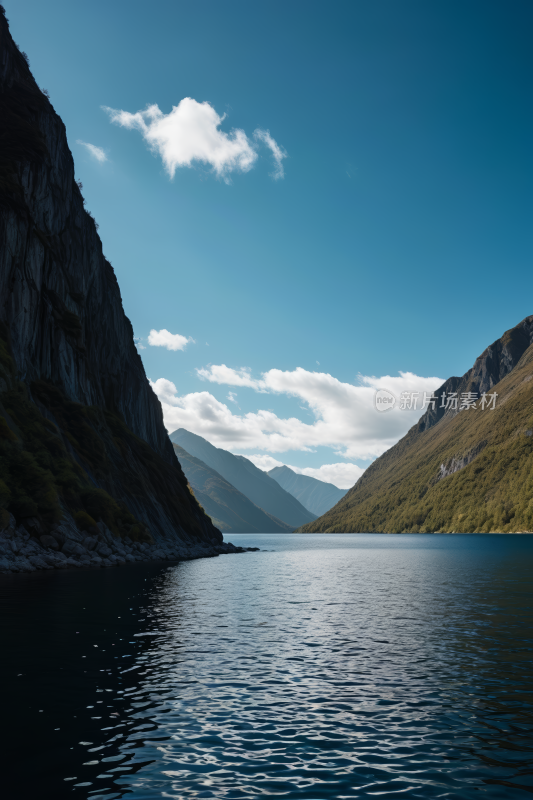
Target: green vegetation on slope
pixel 403 490
pixel 86 460
pixel 71 341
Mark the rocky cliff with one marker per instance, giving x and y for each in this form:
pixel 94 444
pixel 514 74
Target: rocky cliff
pixel 464 471
pixel 490 368
pixel 81 431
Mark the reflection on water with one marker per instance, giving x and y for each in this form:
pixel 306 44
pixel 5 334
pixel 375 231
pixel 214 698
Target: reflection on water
pixel 320 667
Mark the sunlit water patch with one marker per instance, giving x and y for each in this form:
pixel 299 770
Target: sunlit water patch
pixel 319 667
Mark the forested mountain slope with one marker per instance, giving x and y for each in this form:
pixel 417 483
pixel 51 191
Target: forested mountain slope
pixel 456 471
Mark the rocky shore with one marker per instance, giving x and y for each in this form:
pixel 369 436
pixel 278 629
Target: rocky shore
pixel 25 548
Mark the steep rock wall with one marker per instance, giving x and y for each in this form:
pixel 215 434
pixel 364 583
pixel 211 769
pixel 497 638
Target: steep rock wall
pixel 59 295
pixel 75 403
pixel 497 361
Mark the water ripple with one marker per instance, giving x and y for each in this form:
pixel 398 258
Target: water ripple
pixel 323 667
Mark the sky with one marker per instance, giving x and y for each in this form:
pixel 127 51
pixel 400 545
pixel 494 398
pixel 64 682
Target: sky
pixel 303 202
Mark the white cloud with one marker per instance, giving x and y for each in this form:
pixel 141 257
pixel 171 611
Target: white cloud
pixel 345 417
pixel 97 152
pixel 191 133
pixel 172 341
pixel 264 462
pixel 277 151
pixel 232 397
pixel 341 474
pixel 220 373
pixel 165 390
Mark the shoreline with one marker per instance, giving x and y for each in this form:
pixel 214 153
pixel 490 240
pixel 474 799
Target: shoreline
pixel 28 548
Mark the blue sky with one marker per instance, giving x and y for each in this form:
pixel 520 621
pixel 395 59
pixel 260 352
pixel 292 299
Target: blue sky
pixel 398 241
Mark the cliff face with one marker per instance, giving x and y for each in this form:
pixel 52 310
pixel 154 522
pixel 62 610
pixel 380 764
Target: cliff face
pixel 59 296
pixel 490 368
pixel 73 392
pixel 456 471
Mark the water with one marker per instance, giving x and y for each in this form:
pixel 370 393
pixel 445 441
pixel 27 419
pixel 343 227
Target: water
pixel 321 667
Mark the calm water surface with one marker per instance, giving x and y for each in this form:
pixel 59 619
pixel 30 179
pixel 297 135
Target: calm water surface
pixel 321 667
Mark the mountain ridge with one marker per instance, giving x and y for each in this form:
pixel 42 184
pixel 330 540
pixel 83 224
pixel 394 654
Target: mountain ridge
pixel 466 471
pixel 230 510
pixel 494 363
pixel 315 495
pixel 255 484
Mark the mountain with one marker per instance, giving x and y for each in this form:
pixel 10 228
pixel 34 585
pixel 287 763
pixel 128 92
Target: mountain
pixel 229 509
pixel 317 496
pixel 255 484
pixel 456 471
pixel 81 431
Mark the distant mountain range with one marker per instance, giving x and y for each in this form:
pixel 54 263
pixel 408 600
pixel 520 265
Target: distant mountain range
pixel 317 496
pixel 457 471
pixel 251 481
pixel 228 508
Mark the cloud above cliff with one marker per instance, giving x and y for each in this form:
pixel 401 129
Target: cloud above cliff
pixel 171 341
pixel 345 416
pixel 97 153
pixel 191 133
